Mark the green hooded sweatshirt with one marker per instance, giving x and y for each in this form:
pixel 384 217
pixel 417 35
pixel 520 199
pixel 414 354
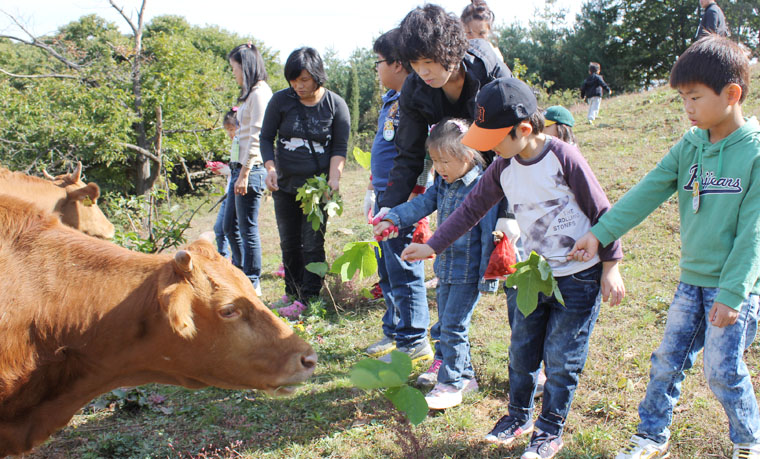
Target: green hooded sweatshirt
pixel 720 243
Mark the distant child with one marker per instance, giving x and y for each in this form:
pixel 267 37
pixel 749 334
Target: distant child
pixel 477 19
pixel 715 171
pixel 230 124
pixel 555 198
pixel 407 315
pixel 591 89
pixel 559 123
pixel 460 267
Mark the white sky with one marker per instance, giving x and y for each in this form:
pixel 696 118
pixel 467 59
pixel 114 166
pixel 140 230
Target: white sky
pixel 282 25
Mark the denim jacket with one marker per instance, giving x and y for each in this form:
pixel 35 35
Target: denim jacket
pixel 465 261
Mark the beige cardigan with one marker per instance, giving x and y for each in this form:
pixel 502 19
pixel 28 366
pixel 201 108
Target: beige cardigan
pixel 250 116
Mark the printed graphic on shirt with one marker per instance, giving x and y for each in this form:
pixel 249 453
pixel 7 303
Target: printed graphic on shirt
pixel 295 143
pixel 710 184
pixel 314 128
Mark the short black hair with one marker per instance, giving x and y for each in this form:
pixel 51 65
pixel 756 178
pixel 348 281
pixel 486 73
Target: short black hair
pixel 536 120
pixel 715 62
pixel 429 32
pixel 254 70
pixel 387 45
pixel 308 59
pixel 594 67
pixel 478 10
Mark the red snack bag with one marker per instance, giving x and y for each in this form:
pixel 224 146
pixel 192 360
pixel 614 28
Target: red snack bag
pixel 501 261
pixel 422 233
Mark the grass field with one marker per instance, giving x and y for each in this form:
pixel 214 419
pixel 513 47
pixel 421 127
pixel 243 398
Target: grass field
pixel 329 418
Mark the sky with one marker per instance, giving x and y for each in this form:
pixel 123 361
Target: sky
pixel 281 25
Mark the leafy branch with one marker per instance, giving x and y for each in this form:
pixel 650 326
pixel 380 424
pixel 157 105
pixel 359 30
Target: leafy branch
pixel 316 195
pixel 531 277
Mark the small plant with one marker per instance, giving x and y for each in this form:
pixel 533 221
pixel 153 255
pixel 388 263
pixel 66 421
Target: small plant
pixel 317 199
pixel 369 374
pixel 531 277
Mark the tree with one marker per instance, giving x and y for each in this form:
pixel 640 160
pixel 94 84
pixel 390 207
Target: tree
pixel 743 20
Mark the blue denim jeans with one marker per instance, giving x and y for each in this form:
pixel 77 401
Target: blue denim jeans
pixel 406 317
pixel 687 331
pixel 558 335
pixel 300 245
pixel 456 302
pixel 221 239
pixel 243 212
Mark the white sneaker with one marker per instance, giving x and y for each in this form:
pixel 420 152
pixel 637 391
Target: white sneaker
pixel 443 396
pixel 257 289
pixel 746 451
pixel 643 448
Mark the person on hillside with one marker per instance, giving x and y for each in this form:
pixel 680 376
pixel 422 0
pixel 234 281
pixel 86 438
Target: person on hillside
pixel 712 20
pixel 715 171
pixel 555 197
pixel 402 283
pixel 461 267
pixel 247 172
pixel 448 72
pixel 477 19
pixel 592 90
pixel 230 125
pixel 311 125
pixel 559 123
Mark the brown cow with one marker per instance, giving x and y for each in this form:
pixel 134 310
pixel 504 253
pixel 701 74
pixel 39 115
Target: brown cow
pixel 80 316
pixel 74 201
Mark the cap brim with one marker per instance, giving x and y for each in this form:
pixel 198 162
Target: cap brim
pixel 549 122
pixel 484 139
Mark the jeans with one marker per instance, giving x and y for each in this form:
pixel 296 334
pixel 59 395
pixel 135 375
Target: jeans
pixel 221 238
pixel 593 107
pixel 243 212
pixel 558 335
pixel 456 302
pixel 406 317
pixel 300 245
pixel 687 331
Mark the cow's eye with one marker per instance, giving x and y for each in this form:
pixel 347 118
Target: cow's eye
pixel 229 311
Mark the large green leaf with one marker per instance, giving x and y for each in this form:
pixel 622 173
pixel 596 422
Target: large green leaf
pixel 374 374
pixel 531 277
pixel 409 401
pixel 319 268
pixel 362 157
pixel 356 257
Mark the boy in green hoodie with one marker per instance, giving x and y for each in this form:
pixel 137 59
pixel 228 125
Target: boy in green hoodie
pixel 715 170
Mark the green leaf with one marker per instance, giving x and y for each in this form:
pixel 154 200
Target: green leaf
pixel 319 268
pixel 332 208
pixel 357 256
pixel 402 363
pixel 362 157
pixel 410 401
pixel 390 378
pixel 531 277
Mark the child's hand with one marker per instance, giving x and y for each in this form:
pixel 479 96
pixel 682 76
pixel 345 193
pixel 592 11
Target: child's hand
pixel 721 315
pixel 585 248
pixel 415 252
pixel 613 288
pixel 385 230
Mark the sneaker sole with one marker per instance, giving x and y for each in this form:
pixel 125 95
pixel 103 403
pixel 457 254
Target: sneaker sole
pixel 422 358
pixel 495 440
pixel 381 353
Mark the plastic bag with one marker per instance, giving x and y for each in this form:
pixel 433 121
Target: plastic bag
pixel 503 257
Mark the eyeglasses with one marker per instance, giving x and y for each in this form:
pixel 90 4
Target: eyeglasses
pixel 378 62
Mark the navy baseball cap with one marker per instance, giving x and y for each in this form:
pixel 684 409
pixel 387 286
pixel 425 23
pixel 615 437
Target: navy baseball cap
pixel 501 104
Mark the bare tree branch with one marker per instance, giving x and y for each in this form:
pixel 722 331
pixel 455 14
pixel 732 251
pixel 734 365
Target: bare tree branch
pixel 49 75
pixel 126 18
pixel 35 42
pixel 142 151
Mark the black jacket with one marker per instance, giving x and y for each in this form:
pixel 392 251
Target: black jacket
pixel 421 106
pixel 592 86
pixel 713 21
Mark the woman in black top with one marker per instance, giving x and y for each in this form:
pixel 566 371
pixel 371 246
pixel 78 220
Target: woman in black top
pixel 311 125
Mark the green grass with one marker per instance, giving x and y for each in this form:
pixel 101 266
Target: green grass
pixel 329 418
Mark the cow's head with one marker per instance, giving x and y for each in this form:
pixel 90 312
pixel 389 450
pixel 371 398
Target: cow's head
pixel 224 334
pixel 80 209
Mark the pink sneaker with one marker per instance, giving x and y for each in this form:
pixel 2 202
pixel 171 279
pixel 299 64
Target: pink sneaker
pixel 280 271
pixel 430 377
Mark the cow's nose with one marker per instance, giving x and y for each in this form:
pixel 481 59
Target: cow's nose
pixel 309 361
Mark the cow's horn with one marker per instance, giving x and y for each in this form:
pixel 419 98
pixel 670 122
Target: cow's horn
pixel 184 261
pixel 47 176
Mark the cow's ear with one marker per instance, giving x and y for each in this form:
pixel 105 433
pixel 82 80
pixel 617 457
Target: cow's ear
pixel 177 301
pixel 183 262
pixel 88 194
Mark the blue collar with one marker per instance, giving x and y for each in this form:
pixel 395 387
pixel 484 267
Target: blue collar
pixel 471 175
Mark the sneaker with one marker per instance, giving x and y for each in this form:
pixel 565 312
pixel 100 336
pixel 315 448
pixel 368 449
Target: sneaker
pixel 417 352
pixel 643 448
pixel 507 429
pixel 540 384
pixel 430 377
pixel 444 396
pixel 257 289
pixel 543 445
pixel 746 451
pixel 470 385
pixel 382 347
